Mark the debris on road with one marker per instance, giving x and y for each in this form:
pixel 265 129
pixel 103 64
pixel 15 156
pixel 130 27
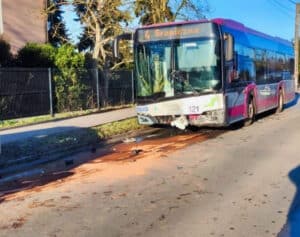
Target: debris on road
pixel 136 151
pixel 129 140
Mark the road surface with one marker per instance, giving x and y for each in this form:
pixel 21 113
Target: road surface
pixel 235 183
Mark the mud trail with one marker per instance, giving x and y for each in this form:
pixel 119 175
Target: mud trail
pixel 153 147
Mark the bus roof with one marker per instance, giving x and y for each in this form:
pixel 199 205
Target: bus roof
pixel 241 27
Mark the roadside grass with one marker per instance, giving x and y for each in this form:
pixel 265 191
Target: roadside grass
pixel 12 123
pixel 64 143
pixel 115 128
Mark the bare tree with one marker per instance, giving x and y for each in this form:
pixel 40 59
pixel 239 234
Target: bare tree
pixel 153 11
pixel 158 11
pixel 102 21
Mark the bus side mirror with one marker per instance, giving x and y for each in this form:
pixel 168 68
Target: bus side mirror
pixel 228 47
pixel 116 43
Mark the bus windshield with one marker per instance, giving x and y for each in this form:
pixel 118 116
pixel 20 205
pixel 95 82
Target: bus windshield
pixel 178 67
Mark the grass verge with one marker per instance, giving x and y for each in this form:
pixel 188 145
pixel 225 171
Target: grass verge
pixel 12 123
pixel 37 148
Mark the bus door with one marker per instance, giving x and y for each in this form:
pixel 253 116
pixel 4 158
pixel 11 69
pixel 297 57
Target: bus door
pixel 235 100
pixel 234 88
pixel 235 91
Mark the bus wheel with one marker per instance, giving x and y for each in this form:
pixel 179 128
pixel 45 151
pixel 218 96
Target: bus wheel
pixel 251 113
pixel 280 102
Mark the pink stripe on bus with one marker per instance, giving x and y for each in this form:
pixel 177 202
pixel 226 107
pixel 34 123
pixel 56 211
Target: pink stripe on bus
pixel 265 103
pixel 236 111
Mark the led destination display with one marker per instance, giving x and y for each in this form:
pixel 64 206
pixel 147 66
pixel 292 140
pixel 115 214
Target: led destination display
pixel 183 31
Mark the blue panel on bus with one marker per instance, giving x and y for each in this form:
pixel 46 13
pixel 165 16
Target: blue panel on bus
pixel 255 41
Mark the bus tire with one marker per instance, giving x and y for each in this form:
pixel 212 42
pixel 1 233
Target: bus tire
pixel 280 102
pixel 250 113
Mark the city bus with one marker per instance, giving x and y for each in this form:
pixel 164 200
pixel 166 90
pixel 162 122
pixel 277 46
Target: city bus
pixel 209 73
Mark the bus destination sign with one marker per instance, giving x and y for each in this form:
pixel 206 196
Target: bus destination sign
pixel 174 32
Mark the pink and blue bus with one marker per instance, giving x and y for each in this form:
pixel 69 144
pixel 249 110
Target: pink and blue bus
pixel 209 73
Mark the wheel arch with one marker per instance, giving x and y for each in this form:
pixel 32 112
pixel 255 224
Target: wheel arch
pixel 280 87
pixel 251 95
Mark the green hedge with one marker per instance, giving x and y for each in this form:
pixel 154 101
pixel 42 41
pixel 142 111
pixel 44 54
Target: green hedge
pixel 70 89
pixel 36 55
pixel 69 71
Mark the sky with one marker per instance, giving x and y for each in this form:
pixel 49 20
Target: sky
pixel 273 17
pixel 74 27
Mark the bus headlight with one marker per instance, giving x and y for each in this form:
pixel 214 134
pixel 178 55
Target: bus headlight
pixel 214 115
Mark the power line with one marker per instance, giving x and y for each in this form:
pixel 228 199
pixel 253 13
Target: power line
pixel 281 8
pixel 282 5
pixel 292 1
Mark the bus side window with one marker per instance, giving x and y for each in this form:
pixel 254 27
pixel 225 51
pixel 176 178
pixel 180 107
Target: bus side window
pixel 246 67
pixel 279 67
pixel 286 74
pixel 271 66
pixel 261 67
pixel 291 65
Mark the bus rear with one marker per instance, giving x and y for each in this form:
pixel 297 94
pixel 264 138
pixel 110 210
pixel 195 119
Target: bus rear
pixel 179 79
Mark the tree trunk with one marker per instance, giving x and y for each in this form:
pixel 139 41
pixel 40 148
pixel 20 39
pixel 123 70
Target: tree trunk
pixel 97 47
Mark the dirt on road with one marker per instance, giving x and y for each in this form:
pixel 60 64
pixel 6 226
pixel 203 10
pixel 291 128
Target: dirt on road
pixel 152 146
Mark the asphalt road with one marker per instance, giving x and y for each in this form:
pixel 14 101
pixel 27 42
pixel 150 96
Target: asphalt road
pixel 237 183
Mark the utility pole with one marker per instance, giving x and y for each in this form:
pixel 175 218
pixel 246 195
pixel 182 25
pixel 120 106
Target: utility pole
pixel 296 46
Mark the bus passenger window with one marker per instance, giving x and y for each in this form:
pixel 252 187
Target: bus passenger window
pixel 261 67
pixel 246 68
pixel 291 64
pixel 271 66
pixel 245 63
pixel 279 67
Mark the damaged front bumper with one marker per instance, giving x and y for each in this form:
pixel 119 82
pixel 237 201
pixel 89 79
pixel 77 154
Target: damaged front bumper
pixel 208 118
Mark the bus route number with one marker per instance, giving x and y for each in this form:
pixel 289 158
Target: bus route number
pixel 194 109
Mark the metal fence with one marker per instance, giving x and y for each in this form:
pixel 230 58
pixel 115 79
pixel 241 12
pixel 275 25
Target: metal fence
pixel 23 92
pixel 119 90
pixel 28 92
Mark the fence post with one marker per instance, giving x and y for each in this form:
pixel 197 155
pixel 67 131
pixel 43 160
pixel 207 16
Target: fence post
pixel 97 87
pixel 132 86
pixel 50 92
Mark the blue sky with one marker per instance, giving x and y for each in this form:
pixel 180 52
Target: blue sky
pixel 274 17
pixel 73 26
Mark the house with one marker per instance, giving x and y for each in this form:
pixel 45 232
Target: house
pixel 23 21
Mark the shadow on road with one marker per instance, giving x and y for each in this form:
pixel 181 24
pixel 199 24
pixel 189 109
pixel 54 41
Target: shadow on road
pixel 292 226
pixel 292 103
pixel 33 182
pixel 42 160
pixel 268 113
pixel 33 134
